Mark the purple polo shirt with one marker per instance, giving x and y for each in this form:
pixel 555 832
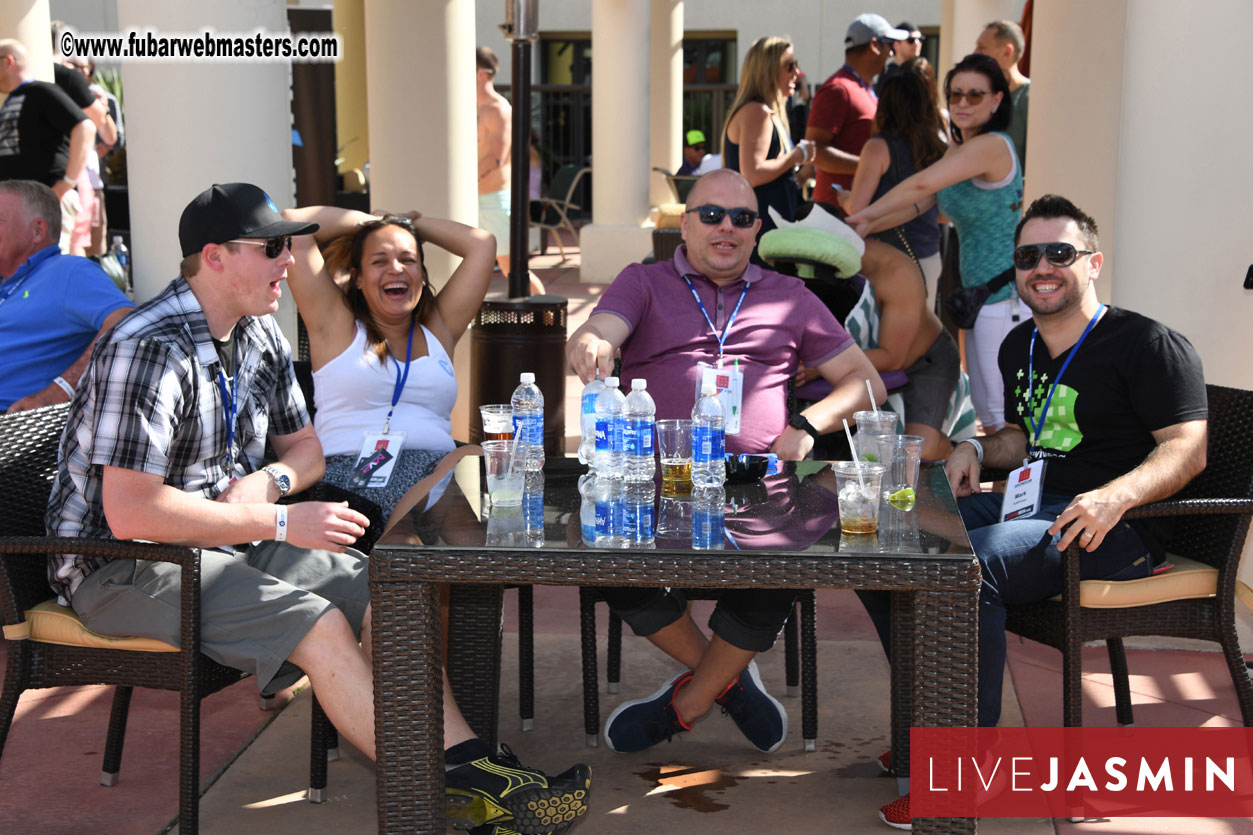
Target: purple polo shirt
pixel 779 325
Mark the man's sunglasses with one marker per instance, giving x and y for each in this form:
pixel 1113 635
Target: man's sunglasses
pixel 1058 254
pixel 273 246
pixel 712 215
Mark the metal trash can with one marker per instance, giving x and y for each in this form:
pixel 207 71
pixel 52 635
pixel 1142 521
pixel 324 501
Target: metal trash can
pixel 508 337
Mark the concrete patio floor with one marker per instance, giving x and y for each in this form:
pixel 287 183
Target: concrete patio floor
pixel 255 764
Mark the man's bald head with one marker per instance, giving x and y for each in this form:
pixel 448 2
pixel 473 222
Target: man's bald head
pixel 720 251
pixel 720 178
pixel 14 64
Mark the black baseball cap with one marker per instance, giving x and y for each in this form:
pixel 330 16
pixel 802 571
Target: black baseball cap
pixel 224 212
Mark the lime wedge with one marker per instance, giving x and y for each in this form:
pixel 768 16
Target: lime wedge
pixel 902 499
pixel 869 456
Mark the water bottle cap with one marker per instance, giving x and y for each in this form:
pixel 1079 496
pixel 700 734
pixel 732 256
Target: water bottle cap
pixel 708 389
pixel 639 384
pixel 527 377
pixel 611 382
pixel 117 239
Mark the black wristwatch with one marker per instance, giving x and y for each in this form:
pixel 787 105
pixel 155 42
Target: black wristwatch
pixel 281 481
pixel 801 422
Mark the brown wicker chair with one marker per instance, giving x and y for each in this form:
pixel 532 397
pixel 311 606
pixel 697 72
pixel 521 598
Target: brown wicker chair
pixel 28 456
pixel 1196 599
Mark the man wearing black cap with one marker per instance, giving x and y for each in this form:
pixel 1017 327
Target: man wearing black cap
pixel 165 442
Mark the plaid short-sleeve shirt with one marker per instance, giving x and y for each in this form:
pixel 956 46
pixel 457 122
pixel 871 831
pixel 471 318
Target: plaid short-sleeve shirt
pixel 151 401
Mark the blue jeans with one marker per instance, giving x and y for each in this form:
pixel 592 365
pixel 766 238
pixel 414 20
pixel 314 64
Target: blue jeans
pixel 1021 564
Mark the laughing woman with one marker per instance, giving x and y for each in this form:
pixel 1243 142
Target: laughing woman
pixel 381 339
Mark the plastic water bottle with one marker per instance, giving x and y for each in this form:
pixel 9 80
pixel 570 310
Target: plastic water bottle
pixel 639 418
pixel 533 509
pixel 709 467
pixel 639 518
pixel 587 420
pixel 123 255
pixel 610 457
pixel 610 501
pixel 528 422
pixel 707 510
pixel 587 508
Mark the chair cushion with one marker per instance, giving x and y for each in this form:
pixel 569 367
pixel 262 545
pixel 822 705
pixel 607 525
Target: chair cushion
pixel 52 623
pixel 669 215
pixel 1244 594
pixel 1186 580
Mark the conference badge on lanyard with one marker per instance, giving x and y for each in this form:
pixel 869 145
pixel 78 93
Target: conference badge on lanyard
pixel 729 383
pixel 1023 491
pixel 379 450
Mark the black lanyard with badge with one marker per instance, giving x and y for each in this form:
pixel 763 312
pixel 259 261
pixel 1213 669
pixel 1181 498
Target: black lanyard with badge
pixel 1025 486
pixel 728 382
pixel 379 450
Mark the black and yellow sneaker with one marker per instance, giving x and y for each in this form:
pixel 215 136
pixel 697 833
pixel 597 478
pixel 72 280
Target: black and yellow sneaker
pixel 499 791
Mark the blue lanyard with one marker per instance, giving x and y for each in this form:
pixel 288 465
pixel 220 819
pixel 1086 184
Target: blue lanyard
pixel 727 328
pixel 1036 428
pixel 230 407
pixel 860 80
pixel 401 379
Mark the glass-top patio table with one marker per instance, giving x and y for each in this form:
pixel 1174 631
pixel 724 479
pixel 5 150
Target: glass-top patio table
pixel 780 532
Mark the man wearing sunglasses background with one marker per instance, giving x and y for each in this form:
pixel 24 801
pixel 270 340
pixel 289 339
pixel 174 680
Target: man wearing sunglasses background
pixel 709 303
pixel 841 115
pixel 1003 41
pixel 903 50
pixel 694 152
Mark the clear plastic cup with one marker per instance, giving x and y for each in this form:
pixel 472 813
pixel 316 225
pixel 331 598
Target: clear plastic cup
pixel 504 477
pixel 901 455
pixel 857 490
pixel 869 424
pixel 497 422
pixel 674 445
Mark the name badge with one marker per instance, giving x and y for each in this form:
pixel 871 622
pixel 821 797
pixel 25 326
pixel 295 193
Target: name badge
pixel 729 383
pixel 377 459
pixel 1023 490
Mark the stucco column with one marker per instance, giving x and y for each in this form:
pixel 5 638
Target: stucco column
pixel 352 130
pixel 423 145
pixel 30 22
pixel 962 21
pixel 665 95
pixel 618 234
pixel 190 125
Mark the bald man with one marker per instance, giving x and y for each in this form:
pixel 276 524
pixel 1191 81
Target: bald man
pixel 709 304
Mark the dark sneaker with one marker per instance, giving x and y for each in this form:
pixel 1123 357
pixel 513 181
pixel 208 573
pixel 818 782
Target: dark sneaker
pixel 759 715
pixel 642 723
pixel 896 814
pixel 500 791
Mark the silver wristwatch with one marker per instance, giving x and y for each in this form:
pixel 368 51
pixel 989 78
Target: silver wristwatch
pixel 281 481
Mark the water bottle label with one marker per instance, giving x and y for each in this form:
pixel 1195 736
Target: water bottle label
pixel 706 528
pixel 718 443
pixel 637 436
pixel 589 403
pixel 639 521
pixel 604 515
pixel 533 510
pixel 706 444
pixel 608 434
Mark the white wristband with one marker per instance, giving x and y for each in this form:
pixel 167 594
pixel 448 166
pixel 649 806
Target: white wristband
pixel 280 523
pixel 65 386
pixel 978 448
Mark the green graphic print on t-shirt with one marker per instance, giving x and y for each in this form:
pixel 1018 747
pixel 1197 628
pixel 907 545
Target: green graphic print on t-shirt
pixel 1061 430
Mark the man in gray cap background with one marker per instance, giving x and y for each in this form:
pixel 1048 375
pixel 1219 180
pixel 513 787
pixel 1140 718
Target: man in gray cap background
pixel 841 116
pixel 165 442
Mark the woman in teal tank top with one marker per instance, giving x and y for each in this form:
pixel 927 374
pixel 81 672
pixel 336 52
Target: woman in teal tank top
pixel 978 187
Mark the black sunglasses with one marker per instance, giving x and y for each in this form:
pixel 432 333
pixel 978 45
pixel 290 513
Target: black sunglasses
pixel 712 215
pixel 273 246
pixel 1058 254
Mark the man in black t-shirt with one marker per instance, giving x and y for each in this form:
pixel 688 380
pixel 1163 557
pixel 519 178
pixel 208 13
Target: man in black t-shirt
pixel 44 136
pixel 1112 401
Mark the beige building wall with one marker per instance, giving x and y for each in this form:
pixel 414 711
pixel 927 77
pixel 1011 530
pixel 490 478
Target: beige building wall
pixel 352 126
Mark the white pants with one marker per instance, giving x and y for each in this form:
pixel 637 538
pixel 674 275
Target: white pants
pixel 71 205
pixel 983 343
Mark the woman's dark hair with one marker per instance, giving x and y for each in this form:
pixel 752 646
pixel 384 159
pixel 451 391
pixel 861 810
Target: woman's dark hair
pixel 989 69
pixel 907 109
pixel 344 254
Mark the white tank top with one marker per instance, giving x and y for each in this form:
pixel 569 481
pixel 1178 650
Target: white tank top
pixel 354 391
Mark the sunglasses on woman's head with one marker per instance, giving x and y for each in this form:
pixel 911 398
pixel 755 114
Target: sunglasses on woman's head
pixel 712 215
pixel 972 96
pixel 1058 253
pixel 273 246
